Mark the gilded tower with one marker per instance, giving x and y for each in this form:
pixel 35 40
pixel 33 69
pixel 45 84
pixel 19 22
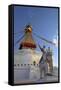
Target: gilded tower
pixel 28 41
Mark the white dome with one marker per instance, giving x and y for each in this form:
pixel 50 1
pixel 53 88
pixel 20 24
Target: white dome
pixel 27 56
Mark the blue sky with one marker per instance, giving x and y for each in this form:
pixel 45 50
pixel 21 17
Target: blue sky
pixel 44 22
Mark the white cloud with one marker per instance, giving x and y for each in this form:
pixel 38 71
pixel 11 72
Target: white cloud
pixel 55 40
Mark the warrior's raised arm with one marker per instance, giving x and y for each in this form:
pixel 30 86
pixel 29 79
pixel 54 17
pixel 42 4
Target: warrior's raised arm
pixel 42 49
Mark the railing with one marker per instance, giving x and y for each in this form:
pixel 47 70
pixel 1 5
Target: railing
pixel 24 65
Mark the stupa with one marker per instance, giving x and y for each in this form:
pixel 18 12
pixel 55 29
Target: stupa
pixel 24 58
